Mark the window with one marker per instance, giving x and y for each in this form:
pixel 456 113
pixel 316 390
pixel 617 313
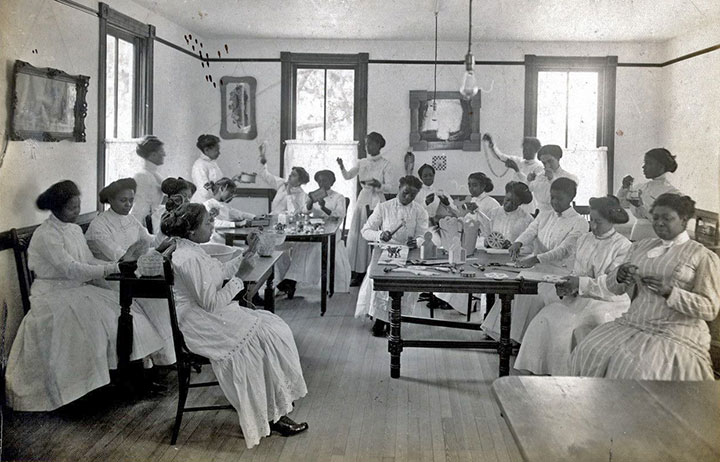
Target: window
pixel 324 106
pixel 125 86
pixel 571 102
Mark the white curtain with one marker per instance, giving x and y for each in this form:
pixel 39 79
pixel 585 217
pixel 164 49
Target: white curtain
pixel 590 166
pixel 121 161
pixel 322 155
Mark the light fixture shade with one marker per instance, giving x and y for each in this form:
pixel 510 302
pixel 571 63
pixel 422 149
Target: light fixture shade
pixel 469 87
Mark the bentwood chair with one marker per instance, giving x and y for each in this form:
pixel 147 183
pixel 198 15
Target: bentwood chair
pixel 343 230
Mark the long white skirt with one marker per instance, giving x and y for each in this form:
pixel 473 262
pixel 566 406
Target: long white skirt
pixel 524 309
pixel 255 360
pixel 305 265
pixel 66 344
pixel 559 327
pixel 358 248
pixel 377 303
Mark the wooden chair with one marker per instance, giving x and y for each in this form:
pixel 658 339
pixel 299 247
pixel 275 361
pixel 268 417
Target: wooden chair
pixel 186 359
pixel 344 231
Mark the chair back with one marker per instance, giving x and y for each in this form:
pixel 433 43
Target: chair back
pixel 181 350
pixel 342 231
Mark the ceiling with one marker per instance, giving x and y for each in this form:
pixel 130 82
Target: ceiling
pixel 493 20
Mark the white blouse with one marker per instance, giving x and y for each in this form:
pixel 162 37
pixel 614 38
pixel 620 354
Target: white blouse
pixel 649 191
pixel 148 195
pixel 334 201
pixel 432 207
pixel 554 235
pixel 388 215
pixel 287 199
pixel 540 187
pixel 509 224
pixel 110 235
pixel 374 167
pixel 596 257
pixel 226 215
pixel 58 250
pixel 204 170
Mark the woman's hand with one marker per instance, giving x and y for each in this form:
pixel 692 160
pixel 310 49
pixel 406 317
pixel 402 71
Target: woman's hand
pixel 308 202
pixel 627 182
pixel 657 286
pixel 514 250
pixel 263 159
pixel 549 174
pixel 340 163
pixel 471 206
pixel 626 273
pixel 411 242
pixel 374 183
pixel 429 199
pixel 531 176
pixel 385 236
pixel 252 241
pixel 486 138
pixel 512 165
pixel 134 251
pixel 569 287
pixel 444 200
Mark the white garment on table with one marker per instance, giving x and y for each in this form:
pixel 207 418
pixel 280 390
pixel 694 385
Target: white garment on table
pixel 204 170
pixel 540 187
pixel 559 327
pixel 148 195
pixel 287 199
pixel 554 238
pixel 386 217
pixel 658 338
pixel 66 343
pixel 225 218
pixel 305 266
pixel 252 353
pixel 649 191
pixel 109 236
pixel 368 168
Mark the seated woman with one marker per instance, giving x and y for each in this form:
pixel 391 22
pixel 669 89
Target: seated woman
pixel 305 265
pixel 587 303
pixel 223 190
pixel 290 199
pixel 408 220
pixel 178 189
pixel 501 225
pixel 435 205
pixel 116 235
pixel 554 235
pixel 480 201
pixel 65 344
pixel 674 285
pixel 252 352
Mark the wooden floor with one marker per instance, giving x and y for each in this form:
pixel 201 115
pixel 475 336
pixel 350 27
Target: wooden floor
pixel 441 409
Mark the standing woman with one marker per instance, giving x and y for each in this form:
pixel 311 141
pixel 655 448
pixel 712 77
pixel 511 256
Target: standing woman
pixel 658 162
pixel 587 303
pixel 674 284
pixel 539 184
pixel 376 178
pixel 252 352
pixel 66 343
pixel 148 195
pixel 206 168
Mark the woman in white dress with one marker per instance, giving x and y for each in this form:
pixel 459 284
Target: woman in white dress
pixel 252 352
pixel 289 199
pixel 436 205
pixel 553 235
pixel 587 303
pixel 65 344
pixel 116 235
pixel 223 191
pixel 206 168
pixel 376 177
pixel 385 219
pixel 674 284
pixel 148 195
pixel 305 265
pixel 658 162
pixel 539 184
pixel 480 201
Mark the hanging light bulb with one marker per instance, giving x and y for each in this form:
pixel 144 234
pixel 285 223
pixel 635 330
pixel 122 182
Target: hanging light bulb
pixel 432 123
pixel 469 87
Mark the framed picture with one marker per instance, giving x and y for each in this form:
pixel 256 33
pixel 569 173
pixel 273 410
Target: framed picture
pixel 451 123
pixel 706 228
pixel 47 104
pixel 238 108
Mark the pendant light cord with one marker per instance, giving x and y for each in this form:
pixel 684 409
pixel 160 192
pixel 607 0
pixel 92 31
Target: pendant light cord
pixel 470 27
pixel 435 63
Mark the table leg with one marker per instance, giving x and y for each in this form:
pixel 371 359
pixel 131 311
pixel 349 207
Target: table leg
pixel 395 346
pixel 505 347
pixel 270 292
pixel 125 329
pixel 333 243
pixel 323 277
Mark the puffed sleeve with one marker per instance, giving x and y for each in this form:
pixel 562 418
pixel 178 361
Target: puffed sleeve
pixel 50 246
pixel 205 290
pixel 703 300
pixel 199 174
pixel 528 236
pixel 274 181
pixel 372 229
pixel 597 287
pixel 568 245
pixel 101 242
pixel 421 225
pixel 350 174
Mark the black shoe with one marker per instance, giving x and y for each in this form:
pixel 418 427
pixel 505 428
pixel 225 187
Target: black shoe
pixel 287 286
pixel 425 297
pixel 380 328
pixel 288 427
pixel 357 280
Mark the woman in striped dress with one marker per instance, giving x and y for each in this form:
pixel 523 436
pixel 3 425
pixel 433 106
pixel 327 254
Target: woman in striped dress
pixel 674 285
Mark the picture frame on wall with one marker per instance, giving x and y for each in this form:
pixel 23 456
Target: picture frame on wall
pixel 47 104
pixel 238 108
pixel 451 123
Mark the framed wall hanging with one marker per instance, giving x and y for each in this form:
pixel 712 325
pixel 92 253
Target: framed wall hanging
pixel 454 123
pixel 238 108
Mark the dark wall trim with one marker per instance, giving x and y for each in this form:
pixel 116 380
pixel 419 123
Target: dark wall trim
pixel 78 6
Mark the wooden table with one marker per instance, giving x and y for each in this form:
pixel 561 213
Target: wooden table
pixel 326 239
pixel 254 275
pixel 398 283
pixel 591 419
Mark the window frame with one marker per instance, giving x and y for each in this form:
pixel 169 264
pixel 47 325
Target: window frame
pixel 142 36
pixel 291 62
pixel 606 67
